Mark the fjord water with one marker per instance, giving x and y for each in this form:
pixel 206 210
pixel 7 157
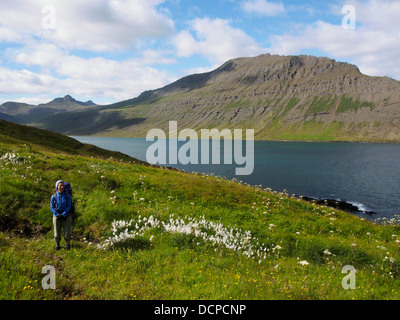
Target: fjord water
pixel 364 174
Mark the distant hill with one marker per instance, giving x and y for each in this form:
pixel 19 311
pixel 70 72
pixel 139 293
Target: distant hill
pixel 23 113
pixel 68 101
pixel 280 97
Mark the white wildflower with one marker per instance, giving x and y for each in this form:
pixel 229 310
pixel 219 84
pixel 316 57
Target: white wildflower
pixel 209 231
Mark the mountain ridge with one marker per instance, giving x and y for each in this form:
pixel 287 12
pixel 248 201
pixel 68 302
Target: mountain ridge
pixel 280 97
pixel 69 99
pixel 24 113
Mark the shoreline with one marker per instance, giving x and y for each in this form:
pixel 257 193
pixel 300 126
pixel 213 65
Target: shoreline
pixel 261 140
pixel 338 204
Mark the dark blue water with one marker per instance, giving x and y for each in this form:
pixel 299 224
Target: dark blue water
pixel 364 174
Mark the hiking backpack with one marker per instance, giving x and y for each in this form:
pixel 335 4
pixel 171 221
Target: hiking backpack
pixel 68 190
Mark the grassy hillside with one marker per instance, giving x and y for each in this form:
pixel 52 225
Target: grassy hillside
pixel 12 133
pixel 188 236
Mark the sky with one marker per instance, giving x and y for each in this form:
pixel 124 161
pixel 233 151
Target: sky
pixel 112 50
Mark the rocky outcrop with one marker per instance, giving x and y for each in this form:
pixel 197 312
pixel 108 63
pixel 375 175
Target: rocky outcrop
pixel 337 204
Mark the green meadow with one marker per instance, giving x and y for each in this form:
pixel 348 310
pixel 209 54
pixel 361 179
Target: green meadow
pixel 215 238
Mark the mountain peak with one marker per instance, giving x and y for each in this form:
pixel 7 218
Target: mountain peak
pixel 68 99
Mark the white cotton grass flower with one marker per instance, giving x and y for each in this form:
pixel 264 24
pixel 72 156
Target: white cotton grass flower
pixel 213 232
pixel 10 157
pixel 121 231
pixel 277 247
pixel 391 259
pixel 303 263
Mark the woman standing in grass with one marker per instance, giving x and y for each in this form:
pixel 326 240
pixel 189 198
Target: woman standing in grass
pixel 60 205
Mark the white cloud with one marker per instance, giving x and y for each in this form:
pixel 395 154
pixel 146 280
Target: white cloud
pixel 100 77
pixel 8 35
pixel 23 81
pixel 95 78
pixel 373 46
pixel 41 54
pixel 216 40
pixel 91 24
pixel 94 26
pixel 263 7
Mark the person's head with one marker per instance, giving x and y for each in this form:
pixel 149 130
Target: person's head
pixel 60 186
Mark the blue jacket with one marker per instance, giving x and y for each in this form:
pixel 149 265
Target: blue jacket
pixel 60 203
